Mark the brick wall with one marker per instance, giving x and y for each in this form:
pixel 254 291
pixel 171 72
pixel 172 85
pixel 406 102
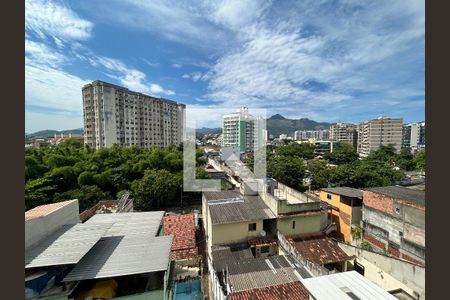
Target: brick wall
pixel 374 241
pixel 394 251
pixel 409 258
pixel 377 201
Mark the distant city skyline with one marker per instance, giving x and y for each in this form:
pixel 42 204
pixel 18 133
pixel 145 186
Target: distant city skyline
pixel 330 62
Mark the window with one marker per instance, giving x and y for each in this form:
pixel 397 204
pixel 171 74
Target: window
pixel 293 224
pixel 265 249
pixel 252 227
pixel 329 196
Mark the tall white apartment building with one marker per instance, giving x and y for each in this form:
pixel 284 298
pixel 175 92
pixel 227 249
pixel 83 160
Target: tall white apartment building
pixel 243 130
pixel 116 115
pixel 382 131
pixel 414 136
pixel 344 132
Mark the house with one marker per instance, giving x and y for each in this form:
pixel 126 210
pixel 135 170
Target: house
pixel 393 221
pixel 345 209
pixel 119 254
pixel 296 212
pixel 319 250
pixel 232 217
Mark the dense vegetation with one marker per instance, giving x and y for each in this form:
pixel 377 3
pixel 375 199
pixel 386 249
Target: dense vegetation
pixel 292 163
pixel 71 170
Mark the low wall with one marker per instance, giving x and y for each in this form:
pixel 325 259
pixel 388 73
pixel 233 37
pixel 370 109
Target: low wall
pixel 413 276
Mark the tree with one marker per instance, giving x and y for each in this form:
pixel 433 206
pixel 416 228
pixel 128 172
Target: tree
pixel 289 171
pixel 320 173
pixel 343 153
pixel 405 160
pixel 87 195
pixel 157 189
pixel 38 191
pixel 383 153
pixel 419 161
pixel 304 150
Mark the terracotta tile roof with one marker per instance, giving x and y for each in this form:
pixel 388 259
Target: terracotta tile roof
pixel 182 227
pixel 319 249
pixel 262 241
pixel 43 210
pixel 292 290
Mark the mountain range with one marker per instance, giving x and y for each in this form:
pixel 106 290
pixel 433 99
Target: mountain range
pixel 277 124
pixel 51 133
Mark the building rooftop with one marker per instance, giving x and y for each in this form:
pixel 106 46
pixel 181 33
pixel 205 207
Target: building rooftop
pixel 182 227
pixel 129 246
pixel 402 193
pixel 44 210
pixel 346 286
pixel 223 255
pixel 345 191
pixel 293 290
pixel 319 249
pixel 67 245
pixel 232 207
pixel 264 272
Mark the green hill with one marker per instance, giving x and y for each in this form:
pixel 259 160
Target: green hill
pixel 277 124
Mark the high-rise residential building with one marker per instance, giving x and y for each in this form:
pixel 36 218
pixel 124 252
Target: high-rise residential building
pixel 116 115
pixel 344 132
pixel 321 135
pixel 382 131
pixel 413 136
pixel 243 130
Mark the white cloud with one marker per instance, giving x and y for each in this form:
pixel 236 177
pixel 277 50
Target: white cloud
pixel 157 89
pixel 177 66
pixel 151 64
pixel 39 53
pixel 54 19
pixel 236 14
pixel 195 76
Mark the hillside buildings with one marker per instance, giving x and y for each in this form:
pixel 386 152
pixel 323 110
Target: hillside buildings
pixel 413 136
pixel 344 132
pixel 382 131
pixel 243 130
pixel 116 115
pixel 320 135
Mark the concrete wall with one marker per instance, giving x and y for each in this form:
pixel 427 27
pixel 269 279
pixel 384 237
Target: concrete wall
pixel 411 275
pixel 39 228
pixel 109 114
pixel 303 224
pixel 234 232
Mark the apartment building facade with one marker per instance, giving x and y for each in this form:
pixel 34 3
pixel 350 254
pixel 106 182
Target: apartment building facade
pixel 413 136
pixel 243 130
pixel 321 135
pixel 115 115
pixel 377 132
pixel 344 132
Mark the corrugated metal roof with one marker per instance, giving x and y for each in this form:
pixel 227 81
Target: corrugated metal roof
pixel 264 272
pixel 334 287
pixel 43 210
pixel 131 223
pixel 119 256
pixel 231 207
pixel 402 193
pixel 345 191
pixel 129 247
pixel 65 246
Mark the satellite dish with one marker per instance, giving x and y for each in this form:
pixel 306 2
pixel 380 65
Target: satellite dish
pixel 263 233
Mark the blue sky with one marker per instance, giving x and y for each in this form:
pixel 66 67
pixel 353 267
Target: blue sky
pixel 335 61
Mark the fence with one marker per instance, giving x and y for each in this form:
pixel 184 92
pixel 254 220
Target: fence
pixel 315 269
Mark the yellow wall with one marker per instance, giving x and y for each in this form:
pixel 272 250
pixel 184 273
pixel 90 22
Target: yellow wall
pixel 303 224
pixel 234 232
pixel 344 230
